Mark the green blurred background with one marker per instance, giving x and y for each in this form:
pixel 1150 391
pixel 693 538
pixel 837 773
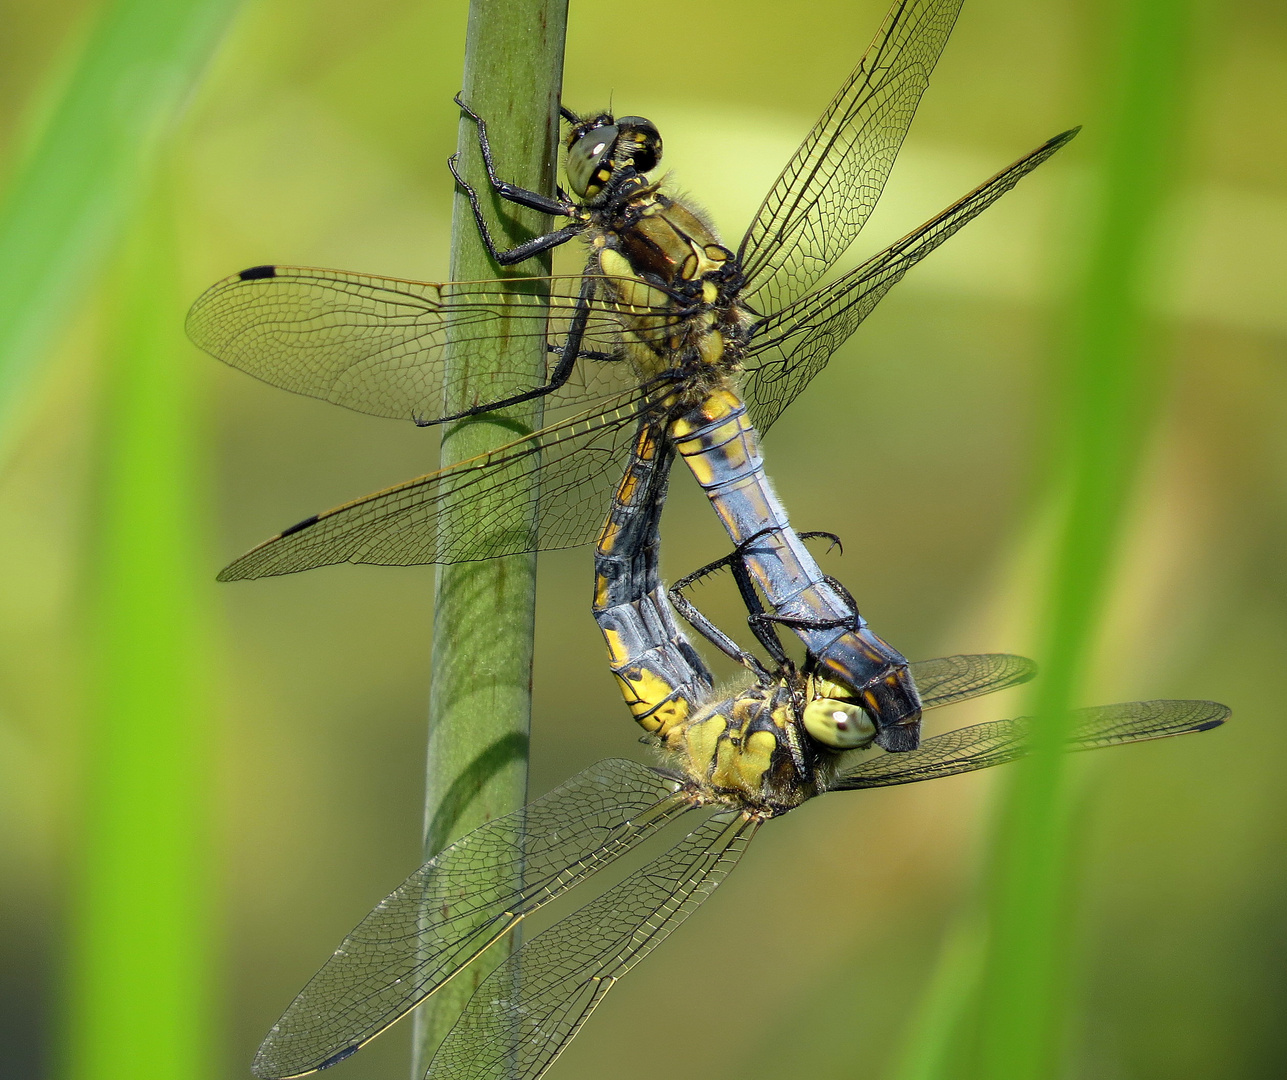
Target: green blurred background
pixel 318 134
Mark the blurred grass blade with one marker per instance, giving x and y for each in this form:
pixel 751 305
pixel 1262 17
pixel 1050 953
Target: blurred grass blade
pixel 480 703
pixel 932 1040
pixel 74 189
pixel 1113 384
pixel 140 1000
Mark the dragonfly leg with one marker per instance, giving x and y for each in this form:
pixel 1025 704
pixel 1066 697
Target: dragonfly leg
pixel 819 534
pixel 800 622
pixel 569 350
pixel 761 623
pixel 533 200
pixel 562 206
pixel 584 354
pixel 849 622
pixel 749 542
pixel 704 626
pixel 519 252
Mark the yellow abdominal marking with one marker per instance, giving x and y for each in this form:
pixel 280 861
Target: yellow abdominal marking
pixel 702 467
pixel 652 701
pixel 718 404
pixel 650 689
pixel 617 653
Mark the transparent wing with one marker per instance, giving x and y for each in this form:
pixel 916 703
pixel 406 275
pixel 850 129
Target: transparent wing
pixel 548 490
pixel 985 745
pixel 830 186
pixel 789 347
pixel 950 679
pixel 459 903
pixel 378 345
pixel 531 1007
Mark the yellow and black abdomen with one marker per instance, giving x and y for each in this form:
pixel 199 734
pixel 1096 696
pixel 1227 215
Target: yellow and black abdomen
pixel 661 676
pixel 721 447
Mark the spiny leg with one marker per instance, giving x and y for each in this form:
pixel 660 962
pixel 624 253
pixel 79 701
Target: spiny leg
pixel 569 351
pixel 761 623
pixel 704 626
pixel 533 200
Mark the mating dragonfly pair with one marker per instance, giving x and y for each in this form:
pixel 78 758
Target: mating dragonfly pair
pixel 668 344
pixel 667 331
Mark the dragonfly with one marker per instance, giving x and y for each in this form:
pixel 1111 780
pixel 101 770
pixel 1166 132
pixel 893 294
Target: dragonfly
pixel 666 329
pixel 728 766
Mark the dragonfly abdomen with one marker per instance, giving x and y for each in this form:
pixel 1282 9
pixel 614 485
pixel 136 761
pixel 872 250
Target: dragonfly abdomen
pixel 660 675
pixel 721 447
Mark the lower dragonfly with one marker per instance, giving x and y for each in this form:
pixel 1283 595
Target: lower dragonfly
pixel 787 737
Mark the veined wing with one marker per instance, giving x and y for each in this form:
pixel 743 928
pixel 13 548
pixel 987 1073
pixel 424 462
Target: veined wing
pixel 830 186
pixel 378 345
pixel 459 903
pixel 531 1007
pixel 547 490
pixel 985 745
pixel 950 679
pixel 789 347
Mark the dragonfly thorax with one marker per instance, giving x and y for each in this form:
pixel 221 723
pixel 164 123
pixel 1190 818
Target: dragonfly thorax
pixel 672 283
pixel 757 750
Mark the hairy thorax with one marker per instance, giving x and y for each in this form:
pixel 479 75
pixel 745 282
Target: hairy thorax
pixel 751 751
pixel 672 284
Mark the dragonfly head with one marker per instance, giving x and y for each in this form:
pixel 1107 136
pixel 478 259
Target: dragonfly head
pixel 602 149
pixel 837 724
pixel 888 696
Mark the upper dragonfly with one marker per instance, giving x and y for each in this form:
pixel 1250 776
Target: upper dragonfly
pixel 666 329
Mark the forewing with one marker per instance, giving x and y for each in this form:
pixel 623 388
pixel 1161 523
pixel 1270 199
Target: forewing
pixel 530 1008
pixel 830 186
pixel 378 345
pixel 551 489
pixel 949 679
pixel 458 904
pixel 985 745
pixel 789 347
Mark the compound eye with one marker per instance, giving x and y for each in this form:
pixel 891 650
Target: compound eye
pixel 589 158
pixel 840 725
pixel 640 142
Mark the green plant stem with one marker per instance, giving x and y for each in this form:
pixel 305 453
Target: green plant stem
pixel 67 201
pixel 140 997
pixel 1114 382
pixel 480 698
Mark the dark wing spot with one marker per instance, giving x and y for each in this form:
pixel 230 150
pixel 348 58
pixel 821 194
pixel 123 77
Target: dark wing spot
pixel 256 272
pixel 335 1059
pixel 299 526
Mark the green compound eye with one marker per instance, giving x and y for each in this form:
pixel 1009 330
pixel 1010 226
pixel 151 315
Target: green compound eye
pixel 591 151
pixel 840 725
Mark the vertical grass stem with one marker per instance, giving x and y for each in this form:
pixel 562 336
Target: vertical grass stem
pixel 480 698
